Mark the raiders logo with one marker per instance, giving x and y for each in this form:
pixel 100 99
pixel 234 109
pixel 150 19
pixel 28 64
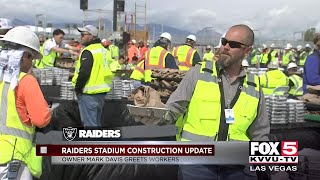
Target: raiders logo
pixel 69 133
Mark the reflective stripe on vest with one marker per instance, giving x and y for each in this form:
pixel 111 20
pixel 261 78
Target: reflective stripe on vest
pixel 160 64
pixel 3 118
pixel 202 119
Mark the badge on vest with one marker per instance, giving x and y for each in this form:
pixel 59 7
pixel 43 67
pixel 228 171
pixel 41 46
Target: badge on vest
pixel 229 116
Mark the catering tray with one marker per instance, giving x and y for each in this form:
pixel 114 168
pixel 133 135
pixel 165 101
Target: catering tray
pixel 147 111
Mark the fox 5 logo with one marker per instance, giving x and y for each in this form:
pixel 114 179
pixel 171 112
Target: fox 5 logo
pixel 273 148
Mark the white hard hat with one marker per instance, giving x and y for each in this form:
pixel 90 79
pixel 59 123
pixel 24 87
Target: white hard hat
pixel 292 65
pixel 273 65
pixel 289 46
pixel 208 47
pixel 5 23
pixel 192 37
pixel 166 35
pixel 103 40
pixel 264 46
pixel 308 46
pixel 272 45
pixel 245 63
pixel 24 36
pixel 299 47
pixel 134 41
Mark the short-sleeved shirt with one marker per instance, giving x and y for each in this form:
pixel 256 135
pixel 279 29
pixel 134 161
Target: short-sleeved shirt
pixel 52 43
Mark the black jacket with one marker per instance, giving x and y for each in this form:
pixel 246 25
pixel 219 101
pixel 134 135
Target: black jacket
pixel 86 67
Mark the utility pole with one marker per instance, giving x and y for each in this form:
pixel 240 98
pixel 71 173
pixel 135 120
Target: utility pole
pixel 115 10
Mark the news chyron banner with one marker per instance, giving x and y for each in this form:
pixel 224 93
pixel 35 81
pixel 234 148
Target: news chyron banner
pixel 105 146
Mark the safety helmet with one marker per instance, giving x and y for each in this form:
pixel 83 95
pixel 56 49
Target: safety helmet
pixel 208 47
pixel 273 65
pixel 245 63
pixel 299 47
pixel 289 46
pixel 24 36
pixel 192 37
pixel 308 46
pixel 134 41
pixel 166 35
pixel 264 46
pixel 272 45
pixel 292 65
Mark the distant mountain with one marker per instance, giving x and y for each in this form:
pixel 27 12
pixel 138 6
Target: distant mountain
pixel 208 36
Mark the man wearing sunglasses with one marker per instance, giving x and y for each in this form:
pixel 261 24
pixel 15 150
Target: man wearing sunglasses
pixel 92 78
pixel 212 91
pixel 52 47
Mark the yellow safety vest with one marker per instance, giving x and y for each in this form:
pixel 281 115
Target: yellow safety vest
pixel 208 56
pixel 48 60
pixel 16 138
pixel 273 55
pixel 254 58
pixel 202 119
pixel 185 56
pixel 264 57
pixel 101 75
pixel 138 72
pixel 303 58
pixel 114 50
pixel 154 59
pixel 37 62
pixel 297 81
pixel 272 79
pixel 287 58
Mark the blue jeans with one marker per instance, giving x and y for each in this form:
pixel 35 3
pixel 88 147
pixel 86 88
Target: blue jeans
pixel 91 109
pixel 211 172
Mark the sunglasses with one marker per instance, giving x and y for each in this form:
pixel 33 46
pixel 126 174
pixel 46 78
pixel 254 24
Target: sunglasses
pixel 232 44
pixel 83 34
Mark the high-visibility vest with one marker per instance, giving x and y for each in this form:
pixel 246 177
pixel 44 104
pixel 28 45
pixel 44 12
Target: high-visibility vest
pixel 208 56
pixel 287 58
pixel 264 57
pixel 202 119
pixel 303 57
pixel 297 81
pixel 254 58
pixel 48 60
pixel 154 59
pixel 272 79
pixel 185 56
pixel 273 55
pixel 37 62
pixel 114 50
pixel 16 138
pixel 138 72
pixel 101 76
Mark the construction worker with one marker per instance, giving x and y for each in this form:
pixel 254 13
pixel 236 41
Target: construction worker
pixel 273 54
pixel 132 50
pixel 42 39
pixel 208 56
pixel 304 54
pixel 53 46
pixel 311 73
pixel 254 56
pixel 264 56
pixel 143 49
pixel 118 64
pixel 273 78
pixel 107 45
pixel 186 55
pixel 25 107
pixel 115 52
pixel 157 57
pixel 5 26
pixel 295 81
pixel 92 78
pixel 209 91
pixel 288 56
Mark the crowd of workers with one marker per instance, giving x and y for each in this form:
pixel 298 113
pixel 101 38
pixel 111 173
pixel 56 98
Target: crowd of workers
pixel 198 115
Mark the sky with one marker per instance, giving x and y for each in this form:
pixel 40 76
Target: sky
pixel 274 19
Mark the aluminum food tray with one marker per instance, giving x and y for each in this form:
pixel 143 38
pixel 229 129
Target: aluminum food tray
pixel 147 111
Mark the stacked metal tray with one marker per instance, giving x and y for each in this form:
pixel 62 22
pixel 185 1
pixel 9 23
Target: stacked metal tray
pixel 119 89
pixel 60 75
pixel 277 109
pixel 67 91
pixel 44 76
pixel 296 111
